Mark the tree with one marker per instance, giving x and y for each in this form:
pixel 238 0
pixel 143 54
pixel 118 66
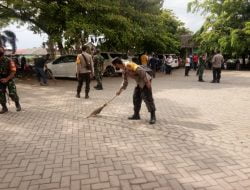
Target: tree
pixel 126 24
pixel 8 37
pixel 226 26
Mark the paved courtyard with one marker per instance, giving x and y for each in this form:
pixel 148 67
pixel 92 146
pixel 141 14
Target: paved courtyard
pixel 201 140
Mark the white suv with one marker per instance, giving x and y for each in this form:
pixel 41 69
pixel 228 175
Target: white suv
pixel 65 66
pixel 175 62
pixel 109 69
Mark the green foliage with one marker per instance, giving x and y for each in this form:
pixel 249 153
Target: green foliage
pixel 226 26
pixel 126 24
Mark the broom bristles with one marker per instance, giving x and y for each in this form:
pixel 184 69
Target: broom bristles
pixel 97 111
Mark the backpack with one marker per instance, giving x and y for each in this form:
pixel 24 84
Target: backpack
pixel 148 70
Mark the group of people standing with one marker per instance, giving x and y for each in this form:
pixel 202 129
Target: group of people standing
pixel 88 66
pixel 199 64
pixel 153 62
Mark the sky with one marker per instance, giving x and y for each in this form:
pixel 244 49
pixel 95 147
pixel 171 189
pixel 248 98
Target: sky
pixel 179 7
pixel 27 39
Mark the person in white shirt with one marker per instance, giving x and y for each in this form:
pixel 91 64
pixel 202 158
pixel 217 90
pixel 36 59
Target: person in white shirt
pixel 187 65
pixel 168 64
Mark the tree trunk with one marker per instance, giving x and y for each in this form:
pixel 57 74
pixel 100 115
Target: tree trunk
pixel 243 59
pixel 51 48
pixel 78 47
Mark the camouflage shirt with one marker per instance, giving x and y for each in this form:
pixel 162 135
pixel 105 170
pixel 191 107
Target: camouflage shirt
pixel 6 67
pixel 98 62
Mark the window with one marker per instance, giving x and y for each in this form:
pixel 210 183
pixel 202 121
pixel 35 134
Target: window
pixel 113 55
pixel 105 55
pixel 57 61
pixel 69 59
pixel 65 59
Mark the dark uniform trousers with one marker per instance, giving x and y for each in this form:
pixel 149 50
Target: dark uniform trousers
pixel 83 77
pixel 216 74
pixel 187 68
pixel 144 94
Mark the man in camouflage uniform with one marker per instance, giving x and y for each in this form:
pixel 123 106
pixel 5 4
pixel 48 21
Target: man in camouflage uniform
pixel 98 69
pixel 7 73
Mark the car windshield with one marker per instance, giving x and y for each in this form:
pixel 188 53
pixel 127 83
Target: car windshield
pixel 120 55
pixel 69 58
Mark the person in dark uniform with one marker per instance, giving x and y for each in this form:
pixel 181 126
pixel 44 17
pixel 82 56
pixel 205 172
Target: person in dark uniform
pixel 23 63
pixel 202 67
pixel 7 73
pixel 40 65
pixel 153 64
pixel 143 90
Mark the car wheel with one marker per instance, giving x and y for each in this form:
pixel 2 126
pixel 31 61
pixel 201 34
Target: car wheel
pixel 109 72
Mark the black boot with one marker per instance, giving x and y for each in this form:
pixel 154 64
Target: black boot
pixel 98 87
pixel 136 116
pixel 18 106
pixel 4 109
pixel 152 118
pixel 78 95
pixel 201 80
pixel 86 95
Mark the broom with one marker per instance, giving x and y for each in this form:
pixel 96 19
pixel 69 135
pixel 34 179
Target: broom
pixel 98 110
pixel 50 75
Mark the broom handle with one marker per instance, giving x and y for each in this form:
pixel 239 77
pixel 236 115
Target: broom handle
pixel 111 100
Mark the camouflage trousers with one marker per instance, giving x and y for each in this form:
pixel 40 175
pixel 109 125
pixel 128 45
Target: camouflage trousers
pixel 201 71
pixel 11 89
pixel 98 77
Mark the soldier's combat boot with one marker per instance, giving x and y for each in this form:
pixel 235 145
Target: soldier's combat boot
pixel 78 95
pixel 201 80
pixel 152 118
pixel 4 109
pixel 86 95
pixel 136 116
pixel 18 106
pixel 98 87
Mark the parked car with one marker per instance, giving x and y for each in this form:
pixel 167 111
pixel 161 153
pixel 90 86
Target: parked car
pixel 233 64
pixel 109 69
pixel 175 62
pixel 65 66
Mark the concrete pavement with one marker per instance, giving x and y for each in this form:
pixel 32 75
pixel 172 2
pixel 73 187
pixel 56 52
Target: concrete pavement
pixel 200 141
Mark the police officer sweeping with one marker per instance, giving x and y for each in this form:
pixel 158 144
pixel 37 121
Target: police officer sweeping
pixel 143 90
pixel 7 73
